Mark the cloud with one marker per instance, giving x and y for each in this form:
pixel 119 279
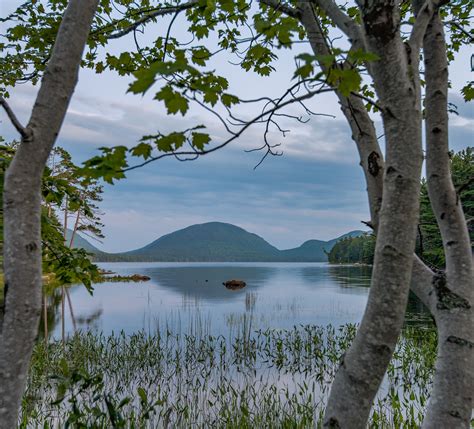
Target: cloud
pixel 315 190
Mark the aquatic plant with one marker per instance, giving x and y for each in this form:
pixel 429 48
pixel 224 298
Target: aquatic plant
pixel 264 378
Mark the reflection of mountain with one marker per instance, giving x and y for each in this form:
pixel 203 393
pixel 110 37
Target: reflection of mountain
pixel 205 282
pixel 221 242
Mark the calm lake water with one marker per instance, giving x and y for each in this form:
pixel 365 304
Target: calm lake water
pixel 187 296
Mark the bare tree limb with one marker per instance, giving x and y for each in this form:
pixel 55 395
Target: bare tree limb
pixel 24 132
pixel 369 100
pixel 235 135
pixel 151 15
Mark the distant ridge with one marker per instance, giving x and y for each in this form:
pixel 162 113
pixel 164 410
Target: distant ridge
pixel 217 242
pixel 82 243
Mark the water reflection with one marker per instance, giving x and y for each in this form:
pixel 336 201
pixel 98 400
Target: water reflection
pixel 205 282
pixel 351 275
pixel 277 295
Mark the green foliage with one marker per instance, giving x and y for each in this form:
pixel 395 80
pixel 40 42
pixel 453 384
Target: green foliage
pixel 468 91
pixel 250 37
pixel 430 246
pixel 62 187
pixel 429 243
pixel 109 165
pixel 352 250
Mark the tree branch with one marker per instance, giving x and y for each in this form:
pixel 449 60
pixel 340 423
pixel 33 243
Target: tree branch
pixel 423 18
pixel 342 21
pixel 24 132
pixel 236 135
pixel 278 6
pixel 151 15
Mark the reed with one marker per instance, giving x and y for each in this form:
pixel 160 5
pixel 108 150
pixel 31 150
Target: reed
pixel 258 379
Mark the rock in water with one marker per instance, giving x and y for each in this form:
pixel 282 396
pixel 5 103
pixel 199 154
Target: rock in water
pixel 234 284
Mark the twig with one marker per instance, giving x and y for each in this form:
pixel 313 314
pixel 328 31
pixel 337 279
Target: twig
pixel 24 132
pixel 234 136
pixel 151 15
pixel 369 100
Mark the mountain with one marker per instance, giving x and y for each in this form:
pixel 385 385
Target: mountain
pixel 82 243
pixel 213 242
pixel 313 250
pixel 309 251
pixel 217 242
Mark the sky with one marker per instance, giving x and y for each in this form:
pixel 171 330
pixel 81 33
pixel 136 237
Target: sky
pixel 315 190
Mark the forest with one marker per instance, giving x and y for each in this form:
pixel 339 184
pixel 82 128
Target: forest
pixel 429 245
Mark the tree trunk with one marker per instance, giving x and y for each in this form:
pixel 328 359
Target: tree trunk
pixel 66 213
pixel 371 157
pixel 365 363
pixel 451 399
pixel 22 208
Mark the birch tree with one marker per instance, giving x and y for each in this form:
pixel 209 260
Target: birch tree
pixel 22 205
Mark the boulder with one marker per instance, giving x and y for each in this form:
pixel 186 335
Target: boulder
pixel 234 284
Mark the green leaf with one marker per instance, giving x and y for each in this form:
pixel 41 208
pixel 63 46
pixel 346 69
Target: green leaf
pixel 200 140
pixel 211 97
pixel 174 101
pixel 363 56
pixel 170 142
pixel 468 91
pixel 200 55
pixel 347 80
pixel 143 396
pixel 142 149
pixel 144 80
pixel 229 99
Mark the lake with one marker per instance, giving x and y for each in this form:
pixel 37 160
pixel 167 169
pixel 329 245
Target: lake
pixel 187 296
pixel 181 350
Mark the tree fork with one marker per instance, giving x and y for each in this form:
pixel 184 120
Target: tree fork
pixel 365 363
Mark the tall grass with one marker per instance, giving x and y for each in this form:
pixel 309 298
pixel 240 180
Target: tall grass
pixel 270 378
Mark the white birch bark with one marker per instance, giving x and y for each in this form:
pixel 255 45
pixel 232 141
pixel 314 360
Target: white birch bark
pixel 364 135
pixel 451 399
pixel 22 205
pixel 365 363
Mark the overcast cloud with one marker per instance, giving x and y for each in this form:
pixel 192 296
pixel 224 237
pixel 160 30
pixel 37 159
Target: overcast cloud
pixel 315 190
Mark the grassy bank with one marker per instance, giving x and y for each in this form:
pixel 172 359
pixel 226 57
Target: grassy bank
pixel 256 379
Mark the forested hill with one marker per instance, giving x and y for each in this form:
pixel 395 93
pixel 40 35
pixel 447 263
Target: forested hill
pixel 429 246
pixel 220 242
pixel 81 242
pixel 212 241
